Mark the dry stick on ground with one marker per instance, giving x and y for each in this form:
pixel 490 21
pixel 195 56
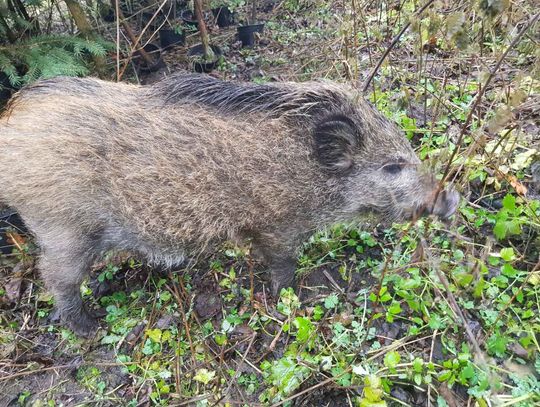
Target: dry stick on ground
pixel 520 289
pixel 457 310
pixel 117 10
pixel 176 294
pixel 392 44
pixel 238 369
pixel 430 361
pixel 63 367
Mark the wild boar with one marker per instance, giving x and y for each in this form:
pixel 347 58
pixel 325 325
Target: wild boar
pixel 179 166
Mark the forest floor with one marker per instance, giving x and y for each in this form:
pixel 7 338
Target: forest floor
pixel 429 314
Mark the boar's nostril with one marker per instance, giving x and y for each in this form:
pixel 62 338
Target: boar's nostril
pixel 447 203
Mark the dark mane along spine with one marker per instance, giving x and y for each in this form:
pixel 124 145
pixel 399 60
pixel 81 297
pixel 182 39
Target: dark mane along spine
pixel 283 99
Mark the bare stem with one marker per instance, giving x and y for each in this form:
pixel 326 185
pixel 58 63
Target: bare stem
pixel 480 94
pixel 392 44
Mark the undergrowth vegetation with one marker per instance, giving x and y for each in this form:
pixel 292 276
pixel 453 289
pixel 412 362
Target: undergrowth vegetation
pixel 430 313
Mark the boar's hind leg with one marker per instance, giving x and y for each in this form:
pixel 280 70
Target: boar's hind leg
pixel 64 269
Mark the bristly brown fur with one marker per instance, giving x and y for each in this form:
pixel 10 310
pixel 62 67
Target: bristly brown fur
pixel 179 166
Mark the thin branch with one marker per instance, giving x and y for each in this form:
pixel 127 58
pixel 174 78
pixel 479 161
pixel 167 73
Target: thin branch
pixel 392 44
pixel 480 94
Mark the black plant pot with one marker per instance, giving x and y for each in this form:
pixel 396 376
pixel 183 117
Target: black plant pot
pixel 6 89
pixel 246 33
pixel 224 17
pixel 169 38
pixel 189 18
pixel 107 14
pixel 204 66
pixel 146 17
pixel 154 52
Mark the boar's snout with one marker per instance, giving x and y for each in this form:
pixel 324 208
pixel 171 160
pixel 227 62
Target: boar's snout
pixel 442 204
pixel 445 205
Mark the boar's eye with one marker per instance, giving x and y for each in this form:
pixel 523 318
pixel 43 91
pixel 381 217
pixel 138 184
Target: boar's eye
pixel 394 168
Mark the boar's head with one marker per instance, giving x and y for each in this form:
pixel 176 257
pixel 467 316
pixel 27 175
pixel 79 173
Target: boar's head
pixel 376 168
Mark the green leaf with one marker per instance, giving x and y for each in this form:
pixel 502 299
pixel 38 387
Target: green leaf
pixel 288 301
pixel 204 376
pixel 305 328
pixel 418 365
pixel 507 254
pixel 467 373
pixel 497 345
pixel 417 379
pixel 509 202
pixel 435 322
pixel 508 270
pixel 500 229
pixel 154 335
pixel 331 301
pixel 220 339
pixel 373 392
pixel 444 375
pixel 318 312
pixel 287 375
pixel 395 308
pixel 391 359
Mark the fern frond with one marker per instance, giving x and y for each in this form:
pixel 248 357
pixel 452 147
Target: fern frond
pixel 45 56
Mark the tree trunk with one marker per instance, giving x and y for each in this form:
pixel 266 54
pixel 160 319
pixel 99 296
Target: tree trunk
pixel 253 14
pixel 24 14
pixel 9 33
pixel 86 30
pixel 208 53
pixel 80 19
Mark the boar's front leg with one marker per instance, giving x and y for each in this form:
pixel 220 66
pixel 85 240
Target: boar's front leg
pixel 280 257
pixel 282 272
pixel 64 268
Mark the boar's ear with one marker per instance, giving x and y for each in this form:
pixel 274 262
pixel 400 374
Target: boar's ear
pixel 335 139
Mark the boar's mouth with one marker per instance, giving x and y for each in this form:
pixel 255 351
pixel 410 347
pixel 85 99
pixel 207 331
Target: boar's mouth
pixel 445 205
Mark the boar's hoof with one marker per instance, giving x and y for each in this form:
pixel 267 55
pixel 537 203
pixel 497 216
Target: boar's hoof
pixel 83 325
pixel 277 285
